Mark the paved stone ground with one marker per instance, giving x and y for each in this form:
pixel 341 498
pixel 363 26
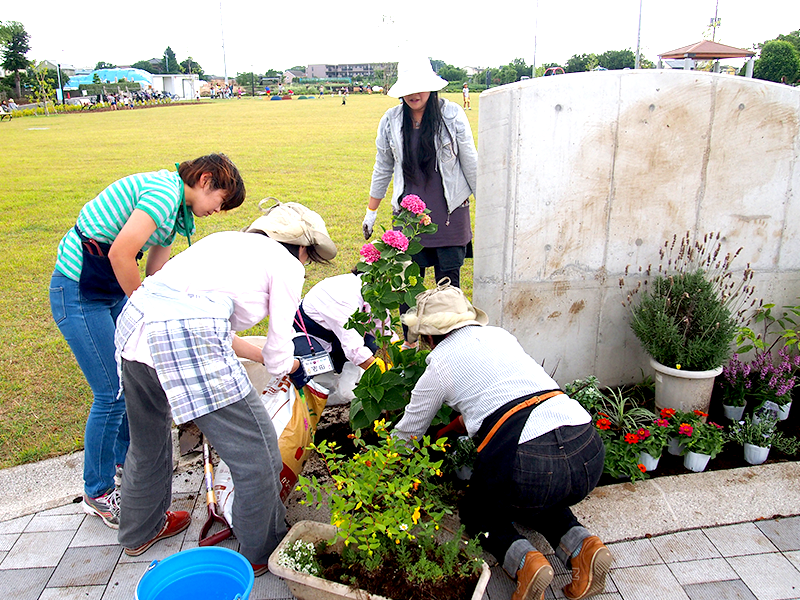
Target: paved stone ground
pixel 63 554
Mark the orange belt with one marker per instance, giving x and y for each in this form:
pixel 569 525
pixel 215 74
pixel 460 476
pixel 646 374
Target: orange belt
pixel 510 412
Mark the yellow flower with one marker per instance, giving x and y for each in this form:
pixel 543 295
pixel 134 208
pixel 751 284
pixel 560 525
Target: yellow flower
pixel 415 516
pixel 677 366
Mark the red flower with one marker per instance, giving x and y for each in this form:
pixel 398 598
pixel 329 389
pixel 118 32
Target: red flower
pixel 700 413
pixel 666 413
pixel 368 463
pixel 642 468
pixel 685 429
pixel 631 438
pixel 661 422
pixel 603 424
pixel 643 433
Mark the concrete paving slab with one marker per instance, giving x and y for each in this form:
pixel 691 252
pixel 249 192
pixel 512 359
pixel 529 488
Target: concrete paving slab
pixel 738 540
pixel 702 571
pixel 85 566
pixel 17 525
pixel 683 546
pixel 758 572
pixel 784 533
pixel 270 587
pixel 38 549
pixel 94 532
pixel 123 582
pixel 24 584
pixel 634 553
pixel 85 592
pixel 43 522
pixel 794 558
pixel 7 540
pixel 729 590
pixel 654 582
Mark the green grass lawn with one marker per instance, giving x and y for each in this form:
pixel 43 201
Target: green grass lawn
pixel 316 152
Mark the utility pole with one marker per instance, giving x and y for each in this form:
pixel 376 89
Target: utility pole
pixel 639 38
pixel 222 33
pixel 715 23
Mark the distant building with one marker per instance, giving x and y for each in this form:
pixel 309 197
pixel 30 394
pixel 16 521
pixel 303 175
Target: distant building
pixel 290 75
pixel 353 71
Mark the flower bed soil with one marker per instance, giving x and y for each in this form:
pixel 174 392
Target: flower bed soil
pixel 390 581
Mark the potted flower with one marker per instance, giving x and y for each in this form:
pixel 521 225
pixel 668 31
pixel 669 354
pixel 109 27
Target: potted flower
pixel 757 437
pixel 686 318
pixel 652 441
pixel 701 442
pixel 385 530
pixel 617 424
pixel 735 385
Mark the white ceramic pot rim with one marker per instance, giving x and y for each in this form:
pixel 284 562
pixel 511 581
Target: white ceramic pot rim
pixel 683 373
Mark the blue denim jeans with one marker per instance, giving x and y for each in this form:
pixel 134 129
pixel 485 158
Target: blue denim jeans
pixel 550 473
pixel 88 326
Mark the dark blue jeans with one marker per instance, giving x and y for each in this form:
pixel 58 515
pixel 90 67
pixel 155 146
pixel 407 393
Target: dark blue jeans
pixel 550 474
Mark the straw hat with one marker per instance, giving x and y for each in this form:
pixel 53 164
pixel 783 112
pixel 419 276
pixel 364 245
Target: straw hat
pixel 415 75
pixel 441 310
pixel 293 223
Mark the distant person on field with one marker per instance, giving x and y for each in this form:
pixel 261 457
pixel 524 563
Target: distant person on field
pixel 465 93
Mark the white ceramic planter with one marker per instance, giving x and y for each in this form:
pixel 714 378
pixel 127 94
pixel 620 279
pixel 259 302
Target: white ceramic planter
pixel 683 390
pixel 755 455
pixel 696 462
pixel 733 413
pixel 309 587
pixel 650 463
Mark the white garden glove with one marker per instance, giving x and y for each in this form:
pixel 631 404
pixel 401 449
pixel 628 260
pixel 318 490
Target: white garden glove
pixel 369 222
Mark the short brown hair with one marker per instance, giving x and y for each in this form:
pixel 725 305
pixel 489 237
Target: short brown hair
pixel 224 176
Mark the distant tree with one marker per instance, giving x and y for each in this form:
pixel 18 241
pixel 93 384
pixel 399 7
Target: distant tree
pixel 298 68
pixel 540 71
pixel 15 46
pixel 96 78
pixel 146 65
pixel 46 83
pixel 617 59
pixel 169 62
pixel 645 64
pixel 578 63
pixel 272 73
pixel 451 73
pixel 778 59
pixel 103 65
pixel 245 79
pixel 190 65
pixel 436 64
pixel 521 68
pixel 793 38
pixel 508 74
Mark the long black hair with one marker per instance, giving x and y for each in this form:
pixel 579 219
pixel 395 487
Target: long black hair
pixel 430 127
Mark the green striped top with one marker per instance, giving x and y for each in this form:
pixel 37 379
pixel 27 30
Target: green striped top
pixel 158 194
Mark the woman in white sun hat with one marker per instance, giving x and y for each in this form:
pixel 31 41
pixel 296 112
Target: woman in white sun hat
pixel 425 143
pixel 177 352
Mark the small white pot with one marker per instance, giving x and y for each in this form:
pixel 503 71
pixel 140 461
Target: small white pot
pixel 783 411
pixel 755 455
pixel 696 462
pixel 650 463
pixel 733 413
pixel 674 446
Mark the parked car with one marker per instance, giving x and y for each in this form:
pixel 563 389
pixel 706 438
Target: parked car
pixel 554 71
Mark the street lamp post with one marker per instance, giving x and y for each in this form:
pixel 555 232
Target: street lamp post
pixel 639 39
pixel 60 87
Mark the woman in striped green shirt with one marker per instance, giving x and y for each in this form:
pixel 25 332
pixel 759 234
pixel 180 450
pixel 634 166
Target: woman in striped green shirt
pixel 97 269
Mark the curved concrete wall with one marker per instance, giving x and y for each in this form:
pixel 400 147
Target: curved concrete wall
pixel 582 175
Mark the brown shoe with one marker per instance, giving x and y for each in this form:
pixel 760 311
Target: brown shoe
pixel 533 578
pixel 175 523
pixel 589 569
pixel 259 570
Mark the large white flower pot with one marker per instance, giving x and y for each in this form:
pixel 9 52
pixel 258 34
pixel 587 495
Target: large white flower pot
pixel 309 587
pixel 683 390
pixel 755 455
pixel 696 462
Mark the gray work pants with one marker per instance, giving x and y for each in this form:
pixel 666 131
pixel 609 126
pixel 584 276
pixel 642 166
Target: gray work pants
pixel 242 435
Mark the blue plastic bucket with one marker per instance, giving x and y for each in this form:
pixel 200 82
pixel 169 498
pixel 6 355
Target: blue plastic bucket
pixel 210 573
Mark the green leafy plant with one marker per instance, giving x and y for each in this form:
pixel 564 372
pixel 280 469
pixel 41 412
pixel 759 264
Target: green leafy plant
pixel 622 413
pixel 622 455
pixel 688 314
pixel 385 501
pixel 586 392
pixel 654 438
pixel 702 438
pixel 764 434
pixel 390 278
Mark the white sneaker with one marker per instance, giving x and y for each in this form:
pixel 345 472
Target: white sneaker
pixel 106 507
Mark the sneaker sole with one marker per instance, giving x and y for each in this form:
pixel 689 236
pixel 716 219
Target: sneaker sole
pixel 600 567
pixel 539 583
pixel 91 510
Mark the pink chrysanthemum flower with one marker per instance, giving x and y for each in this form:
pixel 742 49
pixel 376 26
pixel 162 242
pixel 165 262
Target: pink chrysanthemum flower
pixel 413 203
pixel 370 253
pixel 685 429
pixel 395 239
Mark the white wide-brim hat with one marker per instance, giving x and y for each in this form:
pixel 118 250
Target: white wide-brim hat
pixel 293 223
pixel 441 310
pixel 415 75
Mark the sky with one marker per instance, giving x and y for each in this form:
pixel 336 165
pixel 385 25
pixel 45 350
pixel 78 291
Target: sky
pixel 227 37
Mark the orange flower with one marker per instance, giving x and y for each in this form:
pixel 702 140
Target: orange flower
pixel 666 413
pixel 603 424
pixel 368 463
pixel 700 413
pixel 631 438
pixel 642 468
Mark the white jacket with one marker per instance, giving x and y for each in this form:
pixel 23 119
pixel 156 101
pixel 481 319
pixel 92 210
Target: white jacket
pixel 456 156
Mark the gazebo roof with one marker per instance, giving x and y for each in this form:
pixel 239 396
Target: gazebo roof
pixel 706 50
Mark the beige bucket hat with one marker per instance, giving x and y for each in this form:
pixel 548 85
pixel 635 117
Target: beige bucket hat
pixel 414 75
pixel 293 223
pixel 441 310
